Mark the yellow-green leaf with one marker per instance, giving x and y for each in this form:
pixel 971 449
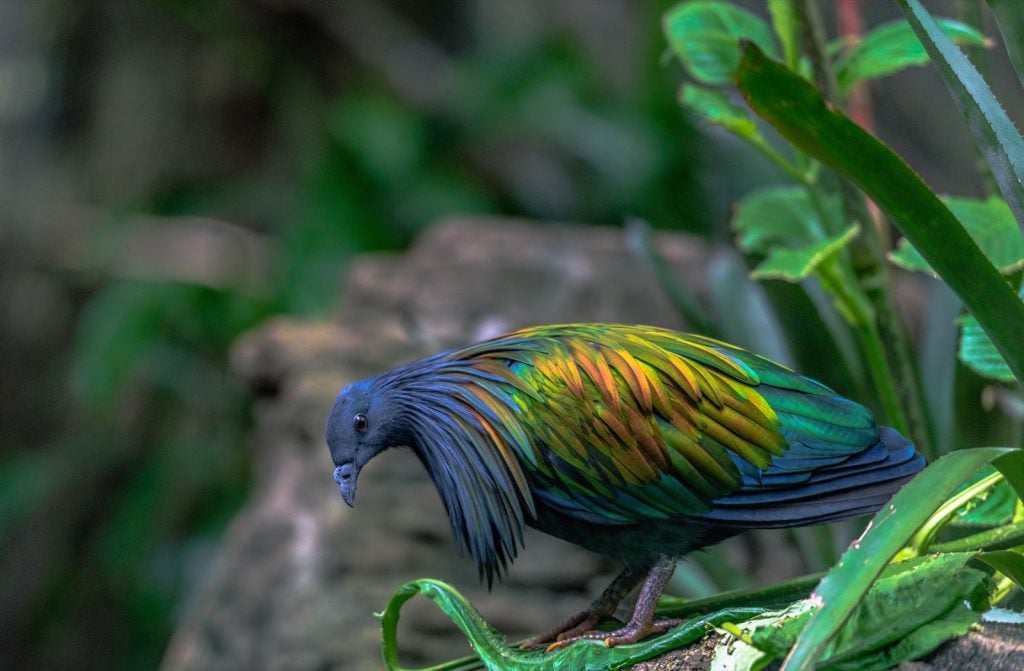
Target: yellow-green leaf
pixel 892 47
pixel 705 35
pixel 795 264
pixel 989 223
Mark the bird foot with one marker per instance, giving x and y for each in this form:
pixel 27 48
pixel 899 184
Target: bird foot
pixel 573 627
pixel 633 632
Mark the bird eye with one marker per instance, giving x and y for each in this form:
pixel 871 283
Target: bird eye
pixel 360 423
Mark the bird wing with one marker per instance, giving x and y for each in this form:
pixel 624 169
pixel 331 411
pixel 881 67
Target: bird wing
pixel 629 423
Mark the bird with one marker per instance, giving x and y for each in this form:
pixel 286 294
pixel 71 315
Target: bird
pixel 638 443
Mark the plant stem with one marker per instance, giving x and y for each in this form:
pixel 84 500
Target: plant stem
pixel 796 110
pixel 921 541
pixel 861 316
pixel 778 159
pixel 1000 538
pixel 882 335
pixel 776 595
pixel 1003 589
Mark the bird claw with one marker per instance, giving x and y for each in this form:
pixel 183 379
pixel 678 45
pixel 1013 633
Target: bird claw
pixel 573 627
pixel 634 632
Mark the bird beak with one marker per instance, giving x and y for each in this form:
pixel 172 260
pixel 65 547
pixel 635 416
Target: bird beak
pixel 345 476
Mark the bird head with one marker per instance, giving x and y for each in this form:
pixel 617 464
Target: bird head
pixel 360 426
pixel 441 408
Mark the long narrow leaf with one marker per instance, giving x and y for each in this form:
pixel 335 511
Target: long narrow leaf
pixel 1010 19
pixel 491 649
pixel 802 116
pixel 842 589
pixel 994 133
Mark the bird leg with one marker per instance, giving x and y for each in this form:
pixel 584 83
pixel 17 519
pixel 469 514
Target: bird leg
pixel 601 609
pixel 642 623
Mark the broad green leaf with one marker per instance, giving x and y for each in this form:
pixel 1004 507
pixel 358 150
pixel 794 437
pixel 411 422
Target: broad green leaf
pixel 989 223
pixel 909 612
pixel 954 623
pixel 843 589
pixel 714 107
pixel 996 136
pixel 705 35
pixel 1010 19
pixel 780 216
pixel 796 264
pixel 914 607
pixel 794 108
pixel 892 47
pixel 496 655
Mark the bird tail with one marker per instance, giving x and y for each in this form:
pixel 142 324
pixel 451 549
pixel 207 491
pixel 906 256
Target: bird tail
pixel 859 485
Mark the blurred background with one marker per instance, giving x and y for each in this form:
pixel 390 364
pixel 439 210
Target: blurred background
pixel 173 173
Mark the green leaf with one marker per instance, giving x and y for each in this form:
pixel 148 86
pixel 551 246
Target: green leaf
pixel 989 223
pixel 994 133
pixel 954 623
pixel 795 264
pixel 714 107
pixel 843 589
pixel 491 649
pixel 386 139
pixel 705 36
pixel 979 354
pixel 1008 562
pixel 787 28
pixel 794 108
pixel 922 602
pixel 914 607
pixel 1010 19
pixel 892 47
pixel 780 216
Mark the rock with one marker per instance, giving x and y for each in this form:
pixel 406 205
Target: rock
pixel 300 574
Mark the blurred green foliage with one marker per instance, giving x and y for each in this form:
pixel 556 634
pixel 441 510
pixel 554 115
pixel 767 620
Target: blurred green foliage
pixel 319 131
pixel 202 166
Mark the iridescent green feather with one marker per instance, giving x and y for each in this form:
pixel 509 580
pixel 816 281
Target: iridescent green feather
pixel 642 422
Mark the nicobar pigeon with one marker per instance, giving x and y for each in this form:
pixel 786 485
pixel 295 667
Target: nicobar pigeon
pixel 638 443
